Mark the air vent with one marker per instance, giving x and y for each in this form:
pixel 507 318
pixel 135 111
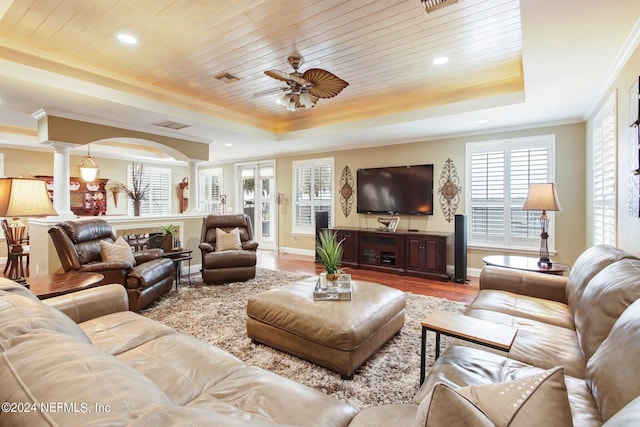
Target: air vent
pixel 226 77
pixel 431 5
pixel 170 124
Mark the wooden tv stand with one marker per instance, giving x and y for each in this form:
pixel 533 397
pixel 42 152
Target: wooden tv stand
pixel 410 253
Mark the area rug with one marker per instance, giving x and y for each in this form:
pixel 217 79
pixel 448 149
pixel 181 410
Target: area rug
pixel 217 314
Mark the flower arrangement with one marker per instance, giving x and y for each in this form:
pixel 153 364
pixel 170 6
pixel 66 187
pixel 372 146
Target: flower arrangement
pixel 138 190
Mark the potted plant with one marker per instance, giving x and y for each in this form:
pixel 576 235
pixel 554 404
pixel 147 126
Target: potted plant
pixel 168 237
pixel 138 190
pixel 330 254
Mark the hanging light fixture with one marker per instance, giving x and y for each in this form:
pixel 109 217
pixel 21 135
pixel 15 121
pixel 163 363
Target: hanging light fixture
pixel 88 167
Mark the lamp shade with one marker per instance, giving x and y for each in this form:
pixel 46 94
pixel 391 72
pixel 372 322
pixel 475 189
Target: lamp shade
pixel 88 168
pixel 542 197
pixel 22 197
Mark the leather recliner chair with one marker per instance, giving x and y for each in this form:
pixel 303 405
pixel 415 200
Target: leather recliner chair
pixel 230 265
pixel 78 245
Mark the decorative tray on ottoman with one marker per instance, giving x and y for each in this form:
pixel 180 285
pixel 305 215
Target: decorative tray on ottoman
pixel 340 292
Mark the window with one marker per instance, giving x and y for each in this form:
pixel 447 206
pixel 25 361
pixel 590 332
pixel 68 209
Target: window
pixel 313 192
pixel 498 178
pixel 211 190
pixel 604 174
pixel 158 181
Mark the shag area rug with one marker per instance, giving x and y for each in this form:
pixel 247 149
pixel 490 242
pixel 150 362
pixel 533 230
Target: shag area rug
pixel 217 314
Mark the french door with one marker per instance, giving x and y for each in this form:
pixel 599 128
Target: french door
pixel 256 194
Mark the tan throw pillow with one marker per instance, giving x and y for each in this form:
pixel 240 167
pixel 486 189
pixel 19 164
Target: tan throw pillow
pixel 118 251
pixel 228 241
pixel 529 401
pixel 445 407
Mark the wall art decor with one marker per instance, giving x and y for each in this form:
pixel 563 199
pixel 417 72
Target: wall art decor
pixel 346 191
pixel 449 190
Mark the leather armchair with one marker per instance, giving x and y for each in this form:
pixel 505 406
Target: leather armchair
pixel 229 265
pixel 77 243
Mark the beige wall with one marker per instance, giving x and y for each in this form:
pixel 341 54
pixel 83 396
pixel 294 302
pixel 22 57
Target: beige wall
pixel 570 170
pixel 30 163
pixel 628 233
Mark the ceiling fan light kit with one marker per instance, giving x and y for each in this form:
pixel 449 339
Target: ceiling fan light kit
pixel 303 89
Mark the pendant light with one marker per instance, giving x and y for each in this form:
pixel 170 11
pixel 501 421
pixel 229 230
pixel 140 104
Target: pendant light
pixel 88 167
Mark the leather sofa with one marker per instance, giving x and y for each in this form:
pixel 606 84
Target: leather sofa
pixel 588 323
pixel 147 374
pixel 77 243
pixel 83 359
pixel 223 266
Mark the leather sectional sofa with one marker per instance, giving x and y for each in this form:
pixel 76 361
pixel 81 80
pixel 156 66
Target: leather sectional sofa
pixel 588 323
pixel 114 367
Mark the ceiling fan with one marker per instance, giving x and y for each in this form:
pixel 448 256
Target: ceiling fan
pixel 303 90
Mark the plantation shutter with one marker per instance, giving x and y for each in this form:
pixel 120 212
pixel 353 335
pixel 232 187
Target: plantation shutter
pixel 313 190
pixel 210 190
pixel 528 166
pixel 499 175
pixel 158 183
pixel 487 193
pixel 604 174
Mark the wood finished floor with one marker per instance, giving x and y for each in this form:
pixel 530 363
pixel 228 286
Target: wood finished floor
pixel 306 265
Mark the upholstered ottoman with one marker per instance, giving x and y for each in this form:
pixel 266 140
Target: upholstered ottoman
pixel 339 335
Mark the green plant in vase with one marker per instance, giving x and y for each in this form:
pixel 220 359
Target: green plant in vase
pixel 169 229
pixel 330 253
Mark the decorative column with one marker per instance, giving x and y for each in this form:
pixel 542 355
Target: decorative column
pixel 61 178
pixel 194 191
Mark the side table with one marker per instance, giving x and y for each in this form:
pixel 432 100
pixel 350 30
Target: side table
pixel 456 325
pixel 177 256
pixel 525 263
pixel 53 285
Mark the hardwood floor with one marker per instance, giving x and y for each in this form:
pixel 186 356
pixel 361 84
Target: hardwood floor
pixel 306 265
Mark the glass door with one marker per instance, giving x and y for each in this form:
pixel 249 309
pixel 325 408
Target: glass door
pixel 257 196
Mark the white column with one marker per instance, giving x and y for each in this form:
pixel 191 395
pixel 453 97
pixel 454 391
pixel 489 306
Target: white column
pixel 194 190
pixel 61 177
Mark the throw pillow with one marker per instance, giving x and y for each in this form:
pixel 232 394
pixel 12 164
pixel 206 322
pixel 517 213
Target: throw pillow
pixel 444 407
pixel 228 241
pixel 119 251
pixel 529 401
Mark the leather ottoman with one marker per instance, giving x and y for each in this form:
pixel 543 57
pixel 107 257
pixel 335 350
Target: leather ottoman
pixel 339 335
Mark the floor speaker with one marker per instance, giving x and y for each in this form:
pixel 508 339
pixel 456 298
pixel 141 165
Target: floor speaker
pixel 460 274
pixel 322 222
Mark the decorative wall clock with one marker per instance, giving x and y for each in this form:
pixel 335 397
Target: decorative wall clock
pixel 346 191
pixel 449 190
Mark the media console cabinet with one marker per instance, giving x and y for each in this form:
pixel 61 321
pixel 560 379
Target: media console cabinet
pixel 408 253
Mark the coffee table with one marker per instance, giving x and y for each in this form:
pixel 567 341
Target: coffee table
pixel 456 325
pixel 53 285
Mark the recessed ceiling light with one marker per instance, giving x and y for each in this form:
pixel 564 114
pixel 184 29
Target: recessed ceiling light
pixel 441 60
pixel 127 38
pixel 228 144
pixel 482 121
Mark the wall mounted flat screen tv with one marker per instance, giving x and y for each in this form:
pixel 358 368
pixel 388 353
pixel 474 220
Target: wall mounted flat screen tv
pixel 406 190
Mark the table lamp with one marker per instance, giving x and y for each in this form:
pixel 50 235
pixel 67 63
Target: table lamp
pixel 23 197
pixel 542 197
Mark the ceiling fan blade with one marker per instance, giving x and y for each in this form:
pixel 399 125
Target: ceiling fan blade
pixel 272 91
pixel 325 84
pixel 286 77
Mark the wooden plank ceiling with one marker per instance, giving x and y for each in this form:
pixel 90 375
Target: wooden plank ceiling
pixel 383 48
